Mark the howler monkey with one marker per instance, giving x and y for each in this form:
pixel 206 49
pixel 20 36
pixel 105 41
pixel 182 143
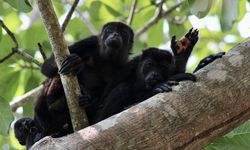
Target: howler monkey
pixel 152 72
pixel 144 76
pixel 51 115
pixel 95 59
pixel 27 131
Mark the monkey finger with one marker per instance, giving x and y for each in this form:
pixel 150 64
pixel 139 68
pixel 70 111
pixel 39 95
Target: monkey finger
pixel 166 88
pixel 171 83
pixel 173 42
pixel 68 64
pixel 70 68
pixel 189 33
pixel 71 58
pixel 158 90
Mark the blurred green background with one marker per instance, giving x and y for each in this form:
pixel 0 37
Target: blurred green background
pixel 222 25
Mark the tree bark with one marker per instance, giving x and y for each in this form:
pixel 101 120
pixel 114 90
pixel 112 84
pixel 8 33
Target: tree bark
pixel 60 50
pixel 190 117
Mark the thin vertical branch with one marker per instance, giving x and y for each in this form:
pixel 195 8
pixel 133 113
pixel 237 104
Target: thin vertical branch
pixel 89 25
pixel 132 12
pixel 42 51
pixel 70 13
pixel 71 87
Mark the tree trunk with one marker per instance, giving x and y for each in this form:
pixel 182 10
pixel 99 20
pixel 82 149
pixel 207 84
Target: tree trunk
pixel 60 50
pixel 190 117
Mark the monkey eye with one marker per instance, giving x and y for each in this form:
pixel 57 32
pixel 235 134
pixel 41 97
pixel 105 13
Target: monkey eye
pixel 124 33
pixel 108 30
pixel 33 129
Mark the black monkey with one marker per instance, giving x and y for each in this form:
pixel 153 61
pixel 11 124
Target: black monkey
pixel 51 110
pixel 27 131
pixel 96 58
pixel 51 116
pixel 144 76
pixel 152 72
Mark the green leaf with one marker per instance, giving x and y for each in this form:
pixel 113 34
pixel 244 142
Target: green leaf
pixel 155 34
pixel 177 30
pixel 1 33
pixel 112 11
pixel 238 139
pixel 94 10
pixel 6 116
pixel 21 5
pixel 200 8
pixel 229 14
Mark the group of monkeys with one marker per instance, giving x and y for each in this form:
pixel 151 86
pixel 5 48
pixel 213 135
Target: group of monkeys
pixel 109 81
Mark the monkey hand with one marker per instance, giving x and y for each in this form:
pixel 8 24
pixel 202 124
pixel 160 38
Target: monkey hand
pixel 207 60
pixel 185 45
pixel 72 64
pixel 84 100
pixel 164 87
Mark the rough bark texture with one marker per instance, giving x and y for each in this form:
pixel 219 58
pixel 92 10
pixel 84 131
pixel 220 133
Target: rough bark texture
pixel 60 49
pixel 190 117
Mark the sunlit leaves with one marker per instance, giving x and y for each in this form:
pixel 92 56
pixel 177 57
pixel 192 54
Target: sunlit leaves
pixel 155 34
pixel 200 8
pixel 21 5
pixel 238 139
pixel 229 14
pixel 1 33
pixel 6 116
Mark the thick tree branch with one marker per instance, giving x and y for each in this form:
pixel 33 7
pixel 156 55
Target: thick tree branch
pixel 156 18
pixel 70 13
pixel 27 97
pixel 16 48
pixel 60 50
pixel 190 117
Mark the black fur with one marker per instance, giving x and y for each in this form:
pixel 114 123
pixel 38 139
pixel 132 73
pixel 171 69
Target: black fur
pixel 207 60
pixel 27 131
pixel 144 76
pixel 95 59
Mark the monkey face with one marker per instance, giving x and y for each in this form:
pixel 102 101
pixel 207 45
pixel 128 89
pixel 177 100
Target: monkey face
pixel 155 67
pixel 149 73
pixel 113 40
pixel 21 129
pixel 116 36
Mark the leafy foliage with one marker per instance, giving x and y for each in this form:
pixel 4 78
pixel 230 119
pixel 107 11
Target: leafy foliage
pixel 21 5
pixel 6 116
pixel 218 25
pixel 238 139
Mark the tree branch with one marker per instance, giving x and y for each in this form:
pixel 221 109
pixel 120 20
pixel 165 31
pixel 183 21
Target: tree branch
pixel 16 49
pixel 29 96
pixel 42 51
pixel 189 117
pixel 60 50
pixel 156 18
pixel 28 57
pixel 132 12
pixel 89 25
pixel 67 19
